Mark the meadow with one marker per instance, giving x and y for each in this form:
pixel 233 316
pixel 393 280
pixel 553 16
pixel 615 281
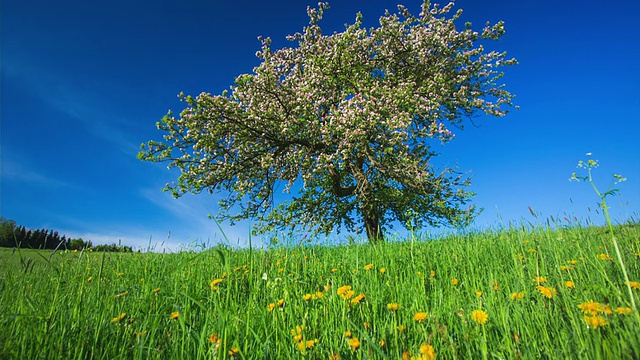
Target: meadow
pixel 517 293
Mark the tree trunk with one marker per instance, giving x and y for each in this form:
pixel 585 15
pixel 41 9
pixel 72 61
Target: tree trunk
pixel 372 225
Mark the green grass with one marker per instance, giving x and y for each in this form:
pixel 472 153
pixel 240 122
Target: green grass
pixel 119 306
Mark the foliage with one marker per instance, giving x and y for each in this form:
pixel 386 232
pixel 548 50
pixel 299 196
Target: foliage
pixel 526 293
pixel 348 118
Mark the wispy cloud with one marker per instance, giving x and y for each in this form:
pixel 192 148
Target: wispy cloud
pixel 21 171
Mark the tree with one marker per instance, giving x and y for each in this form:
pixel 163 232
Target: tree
pixel 348 118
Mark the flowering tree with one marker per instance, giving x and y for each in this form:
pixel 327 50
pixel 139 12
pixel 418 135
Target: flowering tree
pixel 346 120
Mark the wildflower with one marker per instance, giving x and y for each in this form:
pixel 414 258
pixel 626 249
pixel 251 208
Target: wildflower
pixel 566 267
pixel 634 285
pixel 306 297
pixel 358 299
pixel 280 303
pixel 401 328
pixel 496 286
pixel 174 315
pixel 454 281
pixel 348 295
pixel 347 334
pixel 156 290
pixel 479 316
pixel 516 296
pixel 595 321
pixel 539 279
pixel 233 351
pixel 297 333
pixel 334 270
pixel 420 316
pixel 547 291
pixel 213 339
pixel 120 274
pixel 366 325
pixel 368 267
pixel 623 311
pixel 271 306
pixel 343 289
pixel 572 262
pixel 354 343
pixel 427 352
pixel 383 270
pixel 335 356
pixel 319 294
pixel 308 344
pixel 531 251
pixel 406 355
pixel 604 257
pixel 214 284
pixel 118 318
pixel 393 306
pixel 593 308
pixel 141 333
pixel 90 278
pixel 479 293
pixel 570 284
pixel 382 343
pixel 432 274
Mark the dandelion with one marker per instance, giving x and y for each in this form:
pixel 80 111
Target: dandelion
pixel 358 299
pixel 383 270
pixel 156 290
pixel 368 267
pixel 334 270
pixel 306 297
pixel 347 334
pixel 233 351
pixel 623 311
pixel 354 343
pixel 119 318
pixel 604 257
pixel 479 316
pixel 271 306
pixel 539 279
pixel 420 316
pixel 570 284
pixel 213 339
pixel 427 352
pixel 280 303
pixel 479 293
pixel 319 294
pixel 496 286
pixel 343 289
pixel 401 328
pixel 634 285
pixel 366 325
pixel 531 251
pixel 393 306
pixel 89 278
pixel 382 343
pixel 214 284
pixel 572 262
pixel 593 308
pixel 454 281
pixel 432 274
pixel 516 296
pixel 174 315
pixel 595 321
pixel 547 291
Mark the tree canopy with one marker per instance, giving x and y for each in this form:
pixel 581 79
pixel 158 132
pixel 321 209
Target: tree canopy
pixel 347 121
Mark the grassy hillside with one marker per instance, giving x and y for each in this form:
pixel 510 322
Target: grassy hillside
pixel 512 294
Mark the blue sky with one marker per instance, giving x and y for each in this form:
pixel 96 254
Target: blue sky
pixel 83 84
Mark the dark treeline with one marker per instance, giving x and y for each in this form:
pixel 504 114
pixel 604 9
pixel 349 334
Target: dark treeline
pixel 12 235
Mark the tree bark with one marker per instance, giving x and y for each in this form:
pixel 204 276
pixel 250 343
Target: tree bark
pixel 372 226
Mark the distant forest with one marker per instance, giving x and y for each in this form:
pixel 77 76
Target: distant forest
pixel 12 235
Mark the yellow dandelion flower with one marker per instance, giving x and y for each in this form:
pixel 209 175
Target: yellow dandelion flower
pixel 401 328
pixel 156 290
pixel 432 274
pixel 89 278
pixel 334 270
pixel 572 262
pixel 233 351
pixel 335 356
pixel 366 325
pixel 271 306
pixel 420 316
pixel 566 267
pixel 454 281
pixel 623 310
pixel 570 284
pixel 634 285
pixel 547 291
pixel 479 316
pixel 382 343
pixel 213 339
pixel 604 257
pixel 591 308
pixel 594 322
pixel 427 351
pixel 347 334
pixel 393 306
pixel 319 294
pixel 280 303
pixel 119 318
pixel 368 267
pixel 358 299
pixel 311 343
pixel 174 315
pixel 496 286
pixel 539 279
pixel 354 343
pixel 383 270
pixel 306 297
pixel 343 289
pixel 214 284
pixel 348 295
pixel 406 355
pixel 479 293
pixel 531 251
pixel 327 287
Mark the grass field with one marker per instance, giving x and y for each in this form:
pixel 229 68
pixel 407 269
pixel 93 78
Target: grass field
pixel 509 294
